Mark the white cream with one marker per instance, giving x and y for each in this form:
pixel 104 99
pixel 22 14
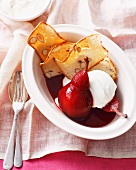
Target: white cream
pixel 21 8
pixel 102 87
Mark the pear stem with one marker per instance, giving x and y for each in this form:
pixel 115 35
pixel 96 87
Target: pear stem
pixel 87 63
pixel 121 114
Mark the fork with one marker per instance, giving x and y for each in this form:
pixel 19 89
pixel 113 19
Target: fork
pixel 19 98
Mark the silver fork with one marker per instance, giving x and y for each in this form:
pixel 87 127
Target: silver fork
pixel 18 94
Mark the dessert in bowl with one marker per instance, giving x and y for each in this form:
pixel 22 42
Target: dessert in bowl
pixel 38 87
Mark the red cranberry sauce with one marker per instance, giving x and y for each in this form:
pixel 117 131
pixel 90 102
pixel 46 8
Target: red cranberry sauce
pixel 96 118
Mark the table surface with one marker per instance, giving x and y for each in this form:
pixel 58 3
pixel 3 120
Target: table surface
pixel 76 160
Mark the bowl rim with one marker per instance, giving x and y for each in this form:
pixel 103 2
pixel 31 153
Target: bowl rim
pixel 29 18
pixel 68 125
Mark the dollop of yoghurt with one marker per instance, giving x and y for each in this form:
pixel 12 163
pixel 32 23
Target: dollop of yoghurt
pixel 21 8
pixel 102 87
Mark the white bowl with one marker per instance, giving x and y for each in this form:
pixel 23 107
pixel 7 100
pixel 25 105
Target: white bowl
pixel 37 89
pixel 30 16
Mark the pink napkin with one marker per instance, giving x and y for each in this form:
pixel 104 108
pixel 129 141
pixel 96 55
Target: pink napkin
pixel 116 20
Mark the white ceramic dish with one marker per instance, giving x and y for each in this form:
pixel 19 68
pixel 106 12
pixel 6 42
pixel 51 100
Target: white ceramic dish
pixel 29 17
pixel 36 86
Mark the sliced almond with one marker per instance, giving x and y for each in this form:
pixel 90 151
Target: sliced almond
pixel 60 52
pixel 106 65
pixel 43 38
pixel 91 47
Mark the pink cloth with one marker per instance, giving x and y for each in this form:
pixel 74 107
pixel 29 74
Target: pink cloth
pixel 76 160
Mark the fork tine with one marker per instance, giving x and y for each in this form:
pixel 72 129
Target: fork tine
pixel 17 94
pixel 24 92
pixel 15 90
pixel 11 87
pixel 21 86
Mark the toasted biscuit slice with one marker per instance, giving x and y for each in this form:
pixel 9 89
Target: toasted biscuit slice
pixel 90 47
pixel 43 38
pixel 60 52
pixel 106 65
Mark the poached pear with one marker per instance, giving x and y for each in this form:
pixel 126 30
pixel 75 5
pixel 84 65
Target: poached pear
pixel 75 99
pixel 113 107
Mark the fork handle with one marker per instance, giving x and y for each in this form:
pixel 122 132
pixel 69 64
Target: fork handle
pixel 9 156
pixel 18 150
